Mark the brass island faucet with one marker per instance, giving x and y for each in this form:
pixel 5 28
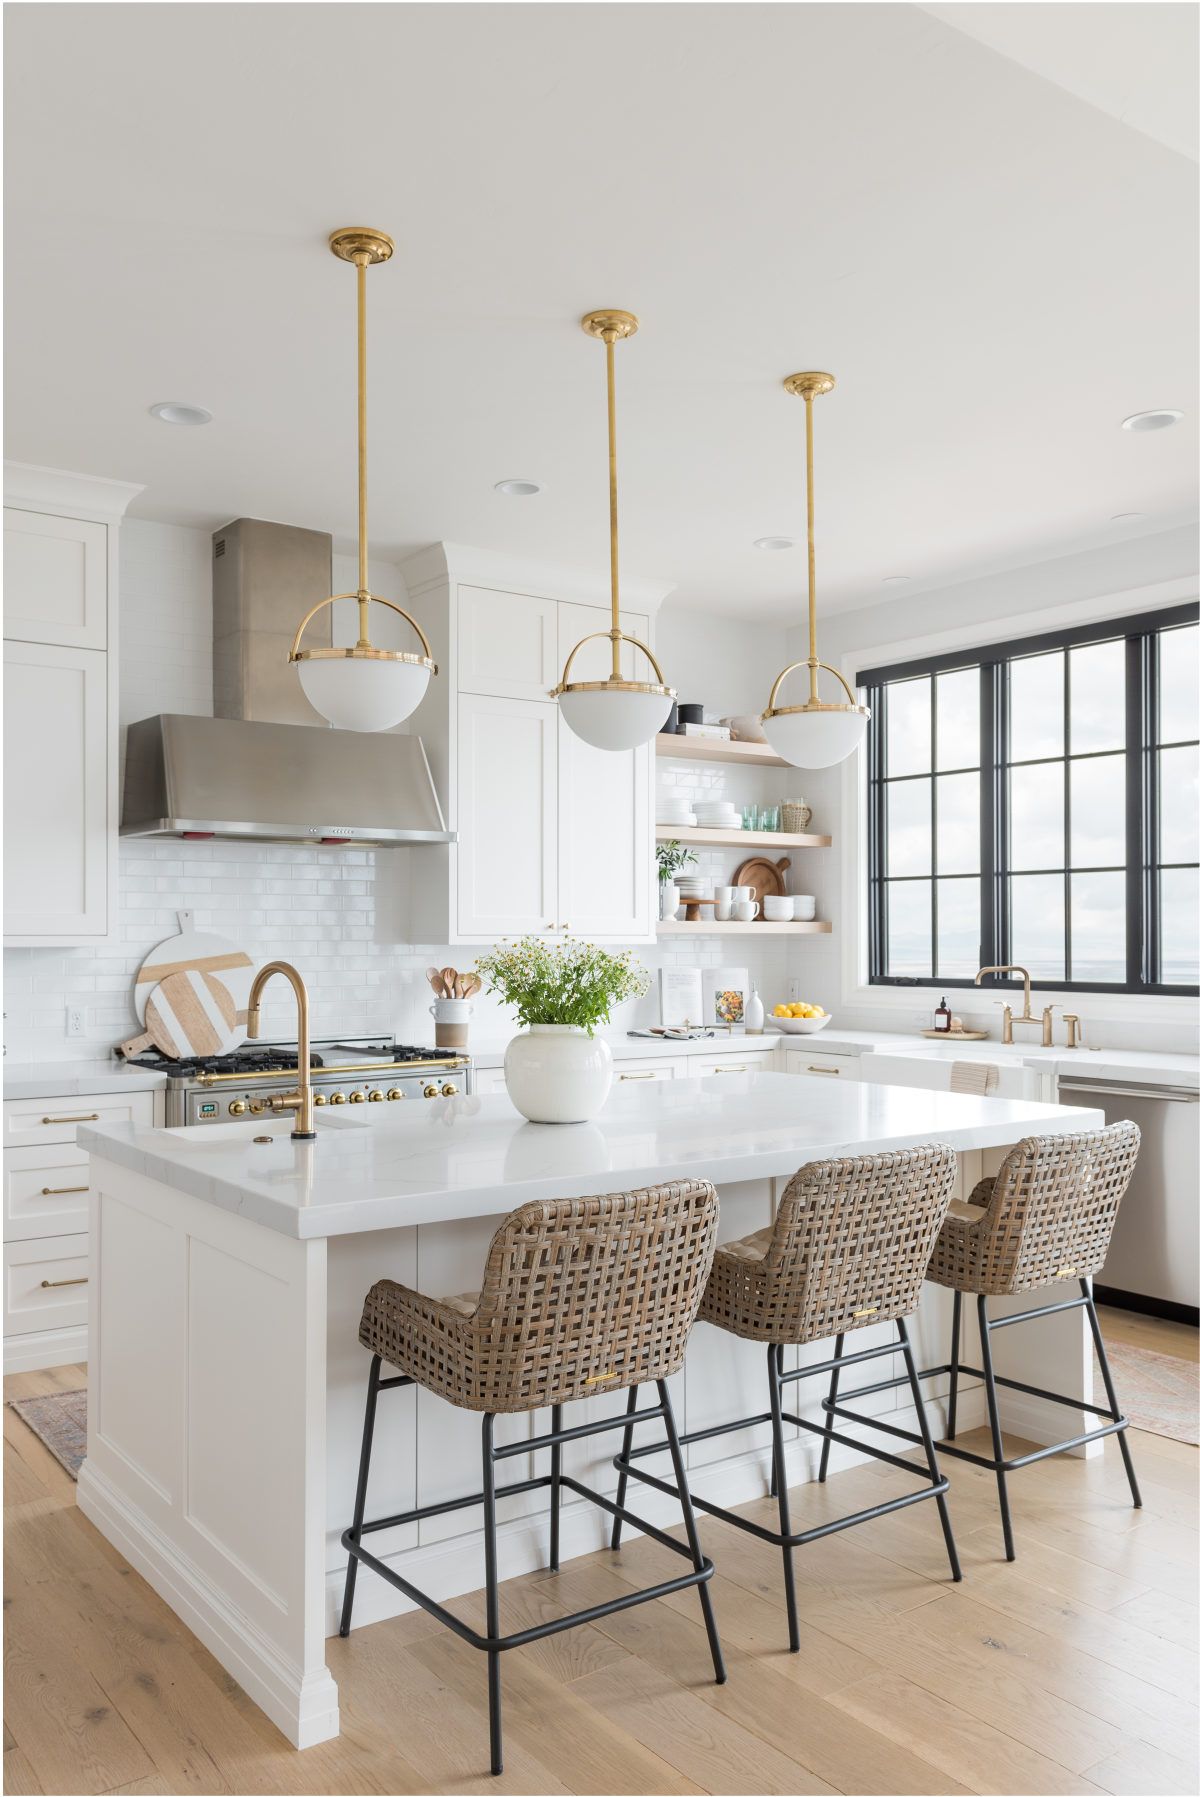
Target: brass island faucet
pixel 301 1100
pixel 1026 1015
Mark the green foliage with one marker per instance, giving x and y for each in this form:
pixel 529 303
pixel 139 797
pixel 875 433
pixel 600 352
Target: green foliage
pixel 562 982
pixel 671 857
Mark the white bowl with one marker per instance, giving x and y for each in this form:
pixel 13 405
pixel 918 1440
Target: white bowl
pixel 799 1026
pixel 746 729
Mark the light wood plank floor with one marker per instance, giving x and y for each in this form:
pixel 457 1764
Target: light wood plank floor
pixel 1073 1670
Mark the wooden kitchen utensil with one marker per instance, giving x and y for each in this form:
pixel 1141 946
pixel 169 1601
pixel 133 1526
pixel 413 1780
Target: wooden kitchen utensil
pixel 194 951
pixel 434 976
pixel 189 1013
pixel 472 984
pixel 765 876
pixel 448 981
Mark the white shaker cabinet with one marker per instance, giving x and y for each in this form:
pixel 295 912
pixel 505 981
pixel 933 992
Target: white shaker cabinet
pixel 60 714
pixel 507 643
pixel 508 807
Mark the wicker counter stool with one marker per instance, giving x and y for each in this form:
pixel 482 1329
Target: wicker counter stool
pixel 1046 1216
pixel 578 1296
pixel 848 1250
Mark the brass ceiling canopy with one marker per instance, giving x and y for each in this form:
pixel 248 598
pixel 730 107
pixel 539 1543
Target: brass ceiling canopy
pixel 614 713
pixel 363 688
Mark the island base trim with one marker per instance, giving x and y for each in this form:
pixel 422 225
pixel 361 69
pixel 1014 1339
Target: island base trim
pixel 303 1707
pixel 30 1352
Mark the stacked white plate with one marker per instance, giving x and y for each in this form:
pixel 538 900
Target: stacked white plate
pixel 675 814
pixel 717 814
pixel 693 886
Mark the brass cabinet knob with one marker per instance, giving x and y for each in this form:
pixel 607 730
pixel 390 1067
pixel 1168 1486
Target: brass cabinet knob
pixel 358 1098
pixel 337 1098
pixel 375 1097
pixel 395 1092
pixel 320 1098
pixel 431 1091
pixel 257 1107
pixel 449 1091
pixel 238 1108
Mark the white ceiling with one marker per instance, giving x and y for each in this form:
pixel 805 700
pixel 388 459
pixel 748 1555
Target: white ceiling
pixel 997 270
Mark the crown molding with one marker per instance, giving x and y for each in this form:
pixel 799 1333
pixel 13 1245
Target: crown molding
pixel 74 495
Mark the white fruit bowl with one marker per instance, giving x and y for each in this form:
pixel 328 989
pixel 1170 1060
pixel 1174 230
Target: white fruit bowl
pixel 799 1026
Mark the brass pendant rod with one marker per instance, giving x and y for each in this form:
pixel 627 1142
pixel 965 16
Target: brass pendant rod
pixel 610 358
pixel 812 549
pixel 361 262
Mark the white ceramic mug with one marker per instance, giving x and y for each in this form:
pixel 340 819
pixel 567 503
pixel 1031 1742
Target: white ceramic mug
pixel 777 909
pixel 724 898
pixel 742 894
pixel 745 911
pixel 804 907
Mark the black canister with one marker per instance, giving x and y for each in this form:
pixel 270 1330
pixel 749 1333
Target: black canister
pixel 691 714
pixel 671 727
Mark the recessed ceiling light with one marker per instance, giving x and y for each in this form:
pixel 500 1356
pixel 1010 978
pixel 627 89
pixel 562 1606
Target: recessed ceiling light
pixel 175 411
pixel 1157 420
pixel 896 580
pixel 518 489
pixel 1125 517
pixel 774 542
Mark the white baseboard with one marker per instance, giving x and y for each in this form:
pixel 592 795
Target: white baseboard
pixel 45 1347
pixel 304 1708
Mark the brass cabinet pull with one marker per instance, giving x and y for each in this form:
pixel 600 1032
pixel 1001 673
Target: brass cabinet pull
pixel 834 1071
pixel 741 1068
pixel 60 1191
pixel 636 1076
pixel 49 1285
pixel 92 1117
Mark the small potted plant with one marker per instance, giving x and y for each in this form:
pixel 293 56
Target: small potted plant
pixel 558 1070
pixel 671 857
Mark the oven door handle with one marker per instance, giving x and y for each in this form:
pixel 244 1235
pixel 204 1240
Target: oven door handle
pixel 1160 1094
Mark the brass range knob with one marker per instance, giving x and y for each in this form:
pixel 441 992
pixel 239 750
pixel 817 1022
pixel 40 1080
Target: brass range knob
pixel 320 1098
pixel 431 1091
pixel 449 1091
pixel 238 1108
pixel 257 1107
pixel 358 1098
pixel 337 1098
pixel 375 1097
pixel 395 1092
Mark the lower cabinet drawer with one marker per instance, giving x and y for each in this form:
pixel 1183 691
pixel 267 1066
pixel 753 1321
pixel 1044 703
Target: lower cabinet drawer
pixel 30 1121
pixel 45 1192
pixel 837 1066
pixel 639 1072
pixel 45 1284
pixel 758 1061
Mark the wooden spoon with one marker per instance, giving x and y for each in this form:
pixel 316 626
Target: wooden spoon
pixel 434 976
pixel 471 984
pixel 448 977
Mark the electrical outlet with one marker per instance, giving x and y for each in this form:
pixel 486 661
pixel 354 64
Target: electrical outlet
pixel 76 1020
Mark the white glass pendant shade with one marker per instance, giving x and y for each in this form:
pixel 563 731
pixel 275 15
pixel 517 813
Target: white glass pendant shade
pixel 818 738
pixel 614 717
pixel 361 692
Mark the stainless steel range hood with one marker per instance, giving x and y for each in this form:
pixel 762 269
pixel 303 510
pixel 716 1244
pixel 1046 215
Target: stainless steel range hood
pixel 199 777
pixel 265 768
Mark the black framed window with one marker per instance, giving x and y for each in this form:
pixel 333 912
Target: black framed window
pixel 1036 802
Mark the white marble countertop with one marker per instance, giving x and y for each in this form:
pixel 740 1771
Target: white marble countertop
pixel 488 1051
pixel 1140 1065
pixel 73 1079
pixel 471 1157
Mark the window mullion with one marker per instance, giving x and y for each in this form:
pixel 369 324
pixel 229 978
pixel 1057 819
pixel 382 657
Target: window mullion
pixel 992 860
pixel 1141 797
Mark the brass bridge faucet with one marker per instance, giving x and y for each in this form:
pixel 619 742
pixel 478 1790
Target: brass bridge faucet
pixel 1027 1015
pixel 301 1100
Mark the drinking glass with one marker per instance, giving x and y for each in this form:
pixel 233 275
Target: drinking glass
pixel 768 817
pixel 749 817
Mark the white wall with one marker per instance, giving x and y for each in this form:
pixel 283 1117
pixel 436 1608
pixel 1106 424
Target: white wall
pixel 332 911
pixel 1140 575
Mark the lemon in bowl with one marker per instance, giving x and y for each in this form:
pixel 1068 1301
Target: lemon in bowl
pixel 799 1019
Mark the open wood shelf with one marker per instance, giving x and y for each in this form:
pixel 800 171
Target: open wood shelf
pixel 711 748
pixel 753 839
pixel 760 927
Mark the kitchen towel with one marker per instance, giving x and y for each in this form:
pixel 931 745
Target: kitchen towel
pixel 974 1076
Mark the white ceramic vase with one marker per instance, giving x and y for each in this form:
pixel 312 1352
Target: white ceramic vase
pixel 557 1073
pixel 668 902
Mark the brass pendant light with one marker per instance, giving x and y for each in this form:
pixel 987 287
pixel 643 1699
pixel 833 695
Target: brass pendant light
pixel 815 734
pixel 615 713
pixel 363 688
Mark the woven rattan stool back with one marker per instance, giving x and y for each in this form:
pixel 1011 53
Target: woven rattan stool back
pixel 1048 1214
pixel 579 1296
pixel 851 1242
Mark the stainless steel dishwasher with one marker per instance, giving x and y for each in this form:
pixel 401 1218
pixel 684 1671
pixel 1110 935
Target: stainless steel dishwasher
pixel 1155 1246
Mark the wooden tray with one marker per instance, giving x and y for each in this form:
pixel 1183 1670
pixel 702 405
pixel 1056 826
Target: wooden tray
pixel 765 876
pixel 956 1035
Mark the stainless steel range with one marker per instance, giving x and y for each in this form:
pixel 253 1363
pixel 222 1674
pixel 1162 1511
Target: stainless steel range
pixel 359 1070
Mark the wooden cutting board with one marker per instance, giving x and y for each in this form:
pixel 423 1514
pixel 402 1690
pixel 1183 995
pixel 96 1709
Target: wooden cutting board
pixel 195 951
pixel 189 1013
pixel 765 876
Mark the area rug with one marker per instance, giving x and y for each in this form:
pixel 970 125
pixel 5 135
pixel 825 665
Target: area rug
pixel 61 1422
pixel 1158 1392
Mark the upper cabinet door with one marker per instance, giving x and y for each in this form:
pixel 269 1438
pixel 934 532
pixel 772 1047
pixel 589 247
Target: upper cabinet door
pixel 507 818
pixel 55 793
pixel 605 888
pixel 507 643
pixel 55 580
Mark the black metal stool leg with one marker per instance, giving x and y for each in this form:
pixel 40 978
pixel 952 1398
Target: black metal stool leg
pixel 774 1368
pixel 555 1484
pixel 626 1450
pixel 927 1442
pixel 360 1494
pixel 1085 1286
pixel 833 1391
pixel 689 1523
pixel 493 1593
pixel 989 1380
pixel 955 1348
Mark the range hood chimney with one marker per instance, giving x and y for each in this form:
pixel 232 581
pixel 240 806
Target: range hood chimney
pixel 267 767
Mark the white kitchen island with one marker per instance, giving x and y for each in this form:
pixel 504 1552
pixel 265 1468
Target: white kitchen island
pixel 226 1381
